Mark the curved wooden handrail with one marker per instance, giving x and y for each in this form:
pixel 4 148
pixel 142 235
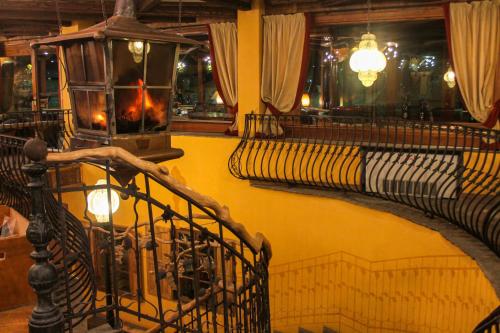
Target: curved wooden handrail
pixel 258 242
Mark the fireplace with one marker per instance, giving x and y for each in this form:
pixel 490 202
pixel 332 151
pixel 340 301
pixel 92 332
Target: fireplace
pixel 121 76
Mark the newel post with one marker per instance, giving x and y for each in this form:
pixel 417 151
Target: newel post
pixel 42 276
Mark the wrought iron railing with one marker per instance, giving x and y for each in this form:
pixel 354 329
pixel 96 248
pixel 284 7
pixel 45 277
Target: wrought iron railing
pixel 490 324
pixel 445 170
pixel 204 271
pixel 54 126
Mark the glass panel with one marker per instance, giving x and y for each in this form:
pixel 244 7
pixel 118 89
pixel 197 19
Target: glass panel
pixel 196 96
pixel 411 86
pixel 97 106
pixel 128 110
pixel 48 79
pixel 160 64
pixel 82 109
pixel 16 91
pixel 156 106
pixel 94 61
pixel 128 62
pixel 74 62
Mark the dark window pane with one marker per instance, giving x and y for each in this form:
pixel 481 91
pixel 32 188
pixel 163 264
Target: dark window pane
pixel 94 61
pixel 156 106
pixel 128 62
pixel 411 86
pixel 128 110
pixel 82 109
pixel 160 64
pixel 97 102
pixel 74 62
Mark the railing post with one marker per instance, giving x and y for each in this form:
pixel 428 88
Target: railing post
pixel 46 316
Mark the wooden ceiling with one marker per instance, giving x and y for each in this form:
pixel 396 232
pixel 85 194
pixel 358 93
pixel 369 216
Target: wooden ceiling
pixel 39 17
pixel 322 6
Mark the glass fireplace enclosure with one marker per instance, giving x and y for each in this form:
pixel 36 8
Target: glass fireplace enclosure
pixel 120 86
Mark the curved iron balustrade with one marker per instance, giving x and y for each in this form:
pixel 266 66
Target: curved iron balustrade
pixel 53 126
pixel 214 276
pixel 490 324
pixel 189 269
pixel 74 293
pixel 445 170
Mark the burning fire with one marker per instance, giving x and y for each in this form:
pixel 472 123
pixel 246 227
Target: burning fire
pixel 154 112
pixel 100 120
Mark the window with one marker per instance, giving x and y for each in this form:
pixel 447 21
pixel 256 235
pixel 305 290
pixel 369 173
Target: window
pixel 142 85
pixel 411 86
pixel 48 79
pixel 16 92
pixel 197 105
pixel 85 63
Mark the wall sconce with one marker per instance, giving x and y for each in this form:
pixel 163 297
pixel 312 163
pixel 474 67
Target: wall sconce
pixel 97 201
pixel 306 100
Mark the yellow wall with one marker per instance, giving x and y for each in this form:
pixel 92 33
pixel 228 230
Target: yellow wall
pixel 334 262
pixel 249 61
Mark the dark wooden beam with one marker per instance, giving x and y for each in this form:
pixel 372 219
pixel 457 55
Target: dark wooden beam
pixel 336 6
pixel 234 4
pixel 147 5
pixel 382 15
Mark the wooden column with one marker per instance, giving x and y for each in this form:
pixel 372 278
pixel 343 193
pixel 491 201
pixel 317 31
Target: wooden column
pixel 201 80
pixel 34 80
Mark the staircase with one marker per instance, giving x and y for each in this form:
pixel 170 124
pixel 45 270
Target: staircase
pixel 174 261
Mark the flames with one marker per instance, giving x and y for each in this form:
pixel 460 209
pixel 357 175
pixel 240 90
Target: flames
pixel 154 110
pixel 100 120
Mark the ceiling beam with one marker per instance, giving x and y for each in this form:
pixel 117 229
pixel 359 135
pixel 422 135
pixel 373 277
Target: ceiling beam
pixel 383 15
pixel 147 5
pixel 336 6
pixel 234 4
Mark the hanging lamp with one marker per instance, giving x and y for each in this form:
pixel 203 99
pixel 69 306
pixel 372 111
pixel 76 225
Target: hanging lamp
pixel 449 78
pixel 306 100
pixel 367 60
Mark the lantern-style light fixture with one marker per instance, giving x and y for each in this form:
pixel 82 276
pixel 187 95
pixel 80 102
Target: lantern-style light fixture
pixel 98 203
pixel 306 100
pixel 449 78
pixel 367 60
pixel 121 77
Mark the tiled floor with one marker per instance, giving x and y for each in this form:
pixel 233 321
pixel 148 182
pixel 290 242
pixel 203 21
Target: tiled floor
pixel 15 320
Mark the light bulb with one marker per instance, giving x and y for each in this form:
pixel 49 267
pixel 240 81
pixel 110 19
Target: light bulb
pixel 367 60
pixel 218 99
pixel 306 100
pixel 449 78
pixel 97 201
pixel 137 50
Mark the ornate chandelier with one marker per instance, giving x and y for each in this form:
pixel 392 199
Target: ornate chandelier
pixel 367 60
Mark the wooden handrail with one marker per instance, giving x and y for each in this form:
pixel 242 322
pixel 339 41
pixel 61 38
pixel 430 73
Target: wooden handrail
pixel 258 242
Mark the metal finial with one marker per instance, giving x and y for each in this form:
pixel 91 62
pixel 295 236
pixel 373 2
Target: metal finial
pixel 36 149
